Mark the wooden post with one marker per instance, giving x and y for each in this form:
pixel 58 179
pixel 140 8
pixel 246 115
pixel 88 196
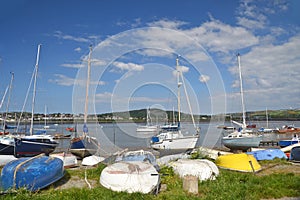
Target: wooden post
pixel 190 184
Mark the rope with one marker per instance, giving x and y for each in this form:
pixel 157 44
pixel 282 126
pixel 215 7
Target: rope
pixel 85 178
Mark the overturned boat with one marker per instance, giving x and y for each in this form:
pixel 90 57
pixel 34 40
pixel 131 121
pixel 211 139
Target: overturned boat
pixel 130 177
pixel 31 173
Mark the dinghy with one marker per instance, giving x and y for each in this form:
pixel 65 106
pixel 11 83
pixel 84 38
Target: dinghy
pixel 238 162
pixel 203 169
pixel 139 155
pixel 268 154
pixel 92 160
pixel 4 159
pixel 31 173
pixel 68 159
pixel 130 177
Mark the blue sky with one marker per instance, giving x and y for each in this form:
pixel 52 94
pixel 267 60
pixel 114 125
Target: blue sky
pixel 135 45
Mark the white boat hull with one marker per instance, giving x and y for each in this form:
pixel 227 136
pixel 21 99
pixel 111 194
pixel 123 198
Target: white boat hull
pixel 187 142
pixel 130 177
pixel 241 143
pixel 68 159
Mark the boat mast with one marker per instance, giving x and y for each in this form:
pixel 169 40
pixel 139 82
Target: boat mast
pixel 34 88
pixel 85 129
pixel 267 117
pixel 178 90
pixel 8 100
pixel 242 93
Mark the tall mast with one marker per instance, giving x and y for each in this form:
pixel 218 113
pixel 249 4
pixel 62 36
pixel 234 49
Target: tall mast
pixel 34 88
pixel 8 100
pixel 178 90
pixel 267 117
pixel 87 91
pixel 242 92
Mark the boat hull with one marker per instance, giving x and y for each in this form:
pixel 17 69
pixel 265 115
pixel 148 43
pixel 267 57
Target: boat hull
pixel 285 143
pixel 68 159
pixel 130 177
pixel 7 149
pixel 84 146
pixel 238 162
pixel 295 154
pixel 187 142
pixel 241 143
pixel 32 173
pixel 27 148
pixel 268 154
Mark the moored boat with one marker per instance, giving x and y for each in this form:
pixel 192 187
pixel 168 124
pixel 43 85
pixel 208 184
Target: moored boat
pixel 243 138
pixel 130 177
pixel 85 145
pixel 33 145
pixel 284 143
pixel 31 173
pixel 238 162
pixel 7 145
pixel 174 139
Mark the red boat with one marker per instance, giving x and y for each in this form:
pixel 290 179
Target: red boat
pixel 4 133
pixel 251 126
pixel 70 129
pixel 289 129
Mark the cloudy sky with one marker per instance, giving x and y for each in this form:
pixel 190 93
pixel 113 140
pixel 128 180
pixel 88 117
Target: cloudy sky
pixel 134 49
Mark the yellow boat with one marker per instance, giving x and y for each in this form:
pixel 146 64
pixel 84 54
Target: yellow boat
pixel 238 162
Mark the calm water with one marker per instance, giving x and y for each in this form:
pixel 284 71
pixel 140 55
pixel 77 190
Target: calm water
pixel 115 137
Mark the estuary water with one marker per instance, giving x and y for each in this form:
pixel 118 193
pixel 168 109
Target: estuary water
pixel 118 136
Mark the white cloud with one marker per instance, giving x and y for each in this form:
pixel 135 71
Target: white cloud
pixel 129 66
pixel 78 49
pixel 204 78
pixel 64 80
pixel 60 35
pixel 221 37
pixel 73 65
pixel 165 23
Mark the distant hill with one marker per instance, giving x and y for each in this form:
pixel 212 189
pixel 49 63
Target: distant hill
pixel 157 116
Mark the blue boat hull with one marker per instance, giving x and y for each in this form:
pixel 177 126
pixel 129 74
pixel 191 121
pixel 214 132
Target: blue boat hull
pixel 268 154
pixel 84 146
pixel 31 173
pixel 285 143
pixel 24 148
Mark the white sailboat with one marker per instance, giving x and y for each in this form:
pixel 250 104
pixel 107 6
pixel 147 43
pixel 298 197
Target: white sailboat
pixel 175 140
pixel 243 138
pixel 31 145
pixel 149 127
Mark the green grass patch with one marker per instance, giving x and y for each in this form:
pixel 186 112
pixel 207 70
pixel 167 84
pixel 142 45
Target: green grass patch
pixel 228 185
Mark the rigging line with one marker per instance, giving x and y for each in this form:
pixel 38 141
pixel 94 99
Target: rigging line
pixel 188 100
pixel 26 97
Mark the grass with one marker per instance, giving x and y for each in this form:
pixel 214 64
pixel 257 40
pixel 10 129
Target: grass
pixel 228 185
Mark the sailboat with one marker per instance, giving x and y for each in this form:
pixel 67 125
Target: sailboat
pixel 7 146
pixel 85 145
pixel 175 140
pixel 32 145
pixel 170 126
pixel 148 127
pixel 243 138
